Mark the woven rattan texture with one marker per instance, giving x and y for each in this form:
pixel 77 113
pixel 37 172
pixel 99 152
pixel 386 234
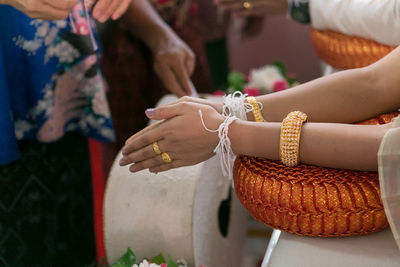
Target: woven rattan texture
pixel 347 52
pixel 310 200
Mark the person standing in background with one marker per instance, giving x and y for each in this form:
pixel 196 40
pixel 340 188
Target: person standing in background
pixel 52 98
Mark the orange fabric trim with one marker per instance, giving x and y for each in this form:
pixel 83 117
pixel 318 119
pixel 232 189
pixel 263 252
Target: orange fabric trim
pixel 347 52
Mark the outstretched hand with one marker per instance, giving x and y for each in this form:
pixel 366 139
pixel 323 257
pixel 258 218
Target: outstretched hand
pixel 180 133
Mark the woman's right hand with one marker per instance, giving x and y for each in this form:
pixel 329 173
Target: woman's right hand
pixel 44 9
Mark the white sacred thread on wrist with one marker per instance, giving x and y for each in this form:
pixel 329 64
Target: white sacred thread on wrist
pixel 223 150
pixel 235 105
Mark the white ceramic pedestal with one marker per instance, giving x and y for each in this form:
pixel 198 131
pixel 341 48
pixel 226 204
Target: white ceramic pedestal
pixel 173 212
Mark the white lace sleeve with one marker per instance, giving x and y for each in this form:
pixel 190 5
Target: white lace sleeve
pixel 389 177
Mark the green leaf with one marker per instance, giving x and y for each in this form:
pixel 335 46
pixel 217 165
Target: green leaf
pixel 171 263
pixel 236 80
pixel 159 259
pixel 291 80
pixel 126 260
pixel 281 67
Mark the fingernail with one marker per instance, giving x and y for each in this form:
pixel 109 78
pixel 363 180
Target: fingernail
pixel 149 112
pixel 123 162
pixel 132 168
pixel 125 152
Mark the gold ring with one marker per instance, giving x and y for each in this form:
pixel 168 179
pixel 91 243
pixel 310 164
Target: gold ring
pixel 156 148
pixel 165 157
pixel 248 5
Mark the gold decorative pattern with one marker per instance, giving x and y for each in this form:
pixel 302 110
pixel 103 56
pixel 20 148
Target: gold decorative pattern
pixel 290 138
pixel 256 108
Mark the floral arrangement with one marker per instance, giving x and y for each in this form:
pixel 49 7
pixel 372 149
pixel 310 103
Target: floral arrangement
pixel 264 80
pixel 129 259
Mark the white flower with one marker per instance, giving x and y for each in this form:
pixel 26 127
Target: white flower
pixel 145 263
pixel 181 263
pixel 264 78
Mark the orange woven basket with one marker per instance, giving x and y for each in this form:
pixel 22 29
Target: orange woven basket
pixel 347 52
pixel 311 201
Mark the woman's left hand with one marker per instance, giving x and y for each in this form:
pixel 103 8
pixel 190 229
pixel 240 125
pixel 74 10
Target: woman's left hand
pixel 181 135
pixel 104 9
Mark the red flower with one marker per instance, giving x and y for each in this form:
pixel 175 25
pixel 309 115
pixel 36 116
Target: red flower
pixel 280 85
pixel 218 93
pixel 252 91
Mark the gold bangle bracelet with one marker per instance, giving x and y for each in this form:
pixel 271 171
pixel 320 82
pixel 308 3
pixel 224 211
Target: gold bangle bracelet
pixel 290 138
pixel 256 108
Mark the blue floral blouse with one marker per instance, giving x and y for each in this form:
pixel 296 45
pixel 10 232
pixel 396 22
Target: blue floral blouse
pixel 50 80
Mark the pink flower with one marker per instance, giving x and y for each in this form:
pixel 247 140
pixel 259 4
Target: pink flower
pixel 280 85
pixel 218 93
pixel 163 265
pixel 252 91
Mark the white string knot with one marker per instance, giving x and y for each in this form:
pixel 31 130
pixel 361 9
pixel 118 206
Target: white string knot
pixel 223 150
pixel 235 105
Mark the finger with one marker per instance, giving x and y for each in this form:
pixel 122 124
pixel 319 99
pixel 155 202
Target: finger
pixel 101 8
pixel 76 103
pixel 146 164
pixel 63 5
pixel 50 14
pixel 166 166
pixel 121 9
pixel 169 80
pixel 142 140
pixel 190 62
pixel 145 130
pixel 89 3
pixel 182 76
pixel 109 11
pixel 167 112
pixel 146 152
pixel 73 113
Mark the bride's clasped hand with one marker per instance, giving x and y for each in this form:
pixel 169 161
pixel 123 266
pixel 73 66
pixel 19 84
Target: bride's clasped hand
pixel 178 139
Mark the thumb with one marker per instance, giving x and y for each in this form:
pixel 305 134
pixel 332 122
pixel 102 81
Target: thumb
pixel 165 112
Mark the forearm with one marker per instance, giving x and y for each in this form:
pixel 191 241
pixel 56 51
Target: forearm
pixel 346 97
pixel 144 22
pixel 331 145
pixel 4 2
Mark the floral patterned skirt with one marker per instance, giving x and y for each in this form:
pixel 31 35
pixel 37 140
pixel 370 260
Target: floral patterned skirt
pixel 46 207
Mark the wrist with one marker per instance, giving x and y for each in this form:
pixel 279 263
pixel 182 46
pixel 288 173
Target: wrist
pixel 158 36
